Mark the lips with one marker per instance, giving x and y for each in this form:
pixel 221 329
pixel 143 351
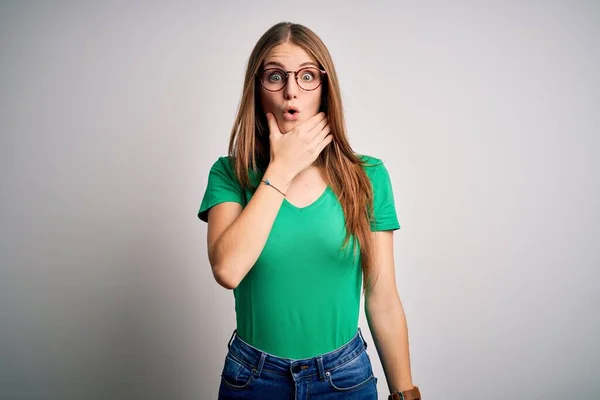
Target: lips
pixel 291 113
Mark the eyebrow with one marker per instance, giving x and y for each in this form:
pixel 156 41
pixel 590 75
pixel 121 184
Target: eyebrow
pixel 282 66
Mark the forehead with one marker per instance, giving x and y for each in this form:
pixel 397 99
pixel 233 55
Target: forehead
pixel 289 55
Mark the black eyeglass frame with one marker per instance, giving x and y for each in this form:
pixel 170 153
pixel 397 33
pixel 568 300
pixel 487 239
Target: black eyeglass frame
pixel 260 74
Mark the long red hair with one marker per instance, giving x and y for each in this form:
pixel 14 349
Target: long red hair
pixel 250 149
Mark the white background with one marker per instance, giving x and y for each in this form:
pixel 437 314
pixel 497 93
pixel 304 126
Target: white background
pixel 111 115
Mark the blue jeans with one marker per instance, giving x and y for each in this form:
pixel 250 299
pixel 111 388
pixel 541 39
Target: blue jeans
pixel 345 373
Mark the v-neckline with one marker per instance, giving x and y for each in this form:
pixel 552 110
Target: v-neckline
pixel 313 204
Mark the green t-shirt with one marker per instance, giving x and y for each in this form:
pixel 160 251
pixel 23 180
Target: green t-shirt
pixel 302 297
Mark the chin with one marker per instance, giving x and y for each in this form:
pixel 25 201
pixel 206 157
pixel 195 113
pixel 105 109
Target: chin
pixel 286 126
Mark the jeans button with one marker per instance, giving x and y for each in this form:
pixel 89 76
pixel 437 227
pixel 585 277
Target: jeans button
pixel 296 368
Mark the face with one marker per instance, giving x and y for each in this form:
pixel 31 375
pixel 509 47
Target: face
pixel 290 57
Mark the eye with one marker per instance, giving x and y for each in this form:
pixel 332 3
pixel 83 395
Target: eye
pixel 276 76
pixel 307 76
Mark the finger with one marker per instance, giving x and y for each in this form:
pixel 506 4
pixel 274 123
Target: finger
pixel 273 127
pixel 310 123
pixel 319 127
pixel 320 136
pixel 328 139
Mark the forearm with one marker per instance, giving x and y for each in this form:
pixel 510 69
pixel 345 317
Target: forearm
pixel 239 246
pixel 390 334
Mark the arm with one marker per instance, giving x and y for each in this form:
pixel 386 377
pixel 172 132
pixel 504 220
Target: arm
pixel 385 316
pixel 236 237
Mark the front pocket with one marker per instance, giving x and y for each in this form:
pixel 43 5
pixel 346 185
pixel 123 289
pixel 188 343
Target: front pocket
pixel 235 374
pixel 352 375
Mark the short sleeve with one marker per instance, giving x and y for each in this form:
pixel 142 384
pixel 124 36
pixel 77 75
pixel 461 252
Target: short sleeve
pixel 384 207
pixel 222 186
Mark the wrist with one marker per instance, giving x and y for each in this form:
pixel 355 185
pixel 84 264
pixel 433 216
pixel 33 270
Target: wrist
pixel 279 176
pixel 408 394
pixel 403 387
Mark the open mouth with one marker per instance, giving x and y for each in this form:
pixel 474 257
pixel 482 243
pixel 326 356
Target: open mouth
pixel 291 114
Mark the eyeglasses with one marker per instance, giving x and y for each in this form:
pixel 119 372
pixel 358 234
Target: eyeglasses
pixel 274 79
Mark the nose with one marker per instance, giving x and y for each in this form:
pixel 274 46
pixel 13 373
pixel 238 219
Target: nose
pixel 291 88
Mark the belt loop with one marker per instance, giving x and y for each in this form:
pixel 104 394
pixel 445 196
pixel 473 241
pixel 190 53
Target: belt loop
pixel 362 337
pixel 261 363
pixel 320 368
pixel 231 339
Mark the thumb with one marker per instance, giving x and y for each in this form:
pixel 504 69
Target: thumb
pixel 273 127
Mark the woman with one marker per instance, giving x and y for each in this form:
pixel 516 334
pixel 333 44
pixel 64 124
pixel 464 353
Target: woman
pixel 296 220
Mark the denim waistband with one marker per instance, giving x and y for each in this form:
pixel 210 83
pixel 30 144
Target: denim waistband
pixel 258 360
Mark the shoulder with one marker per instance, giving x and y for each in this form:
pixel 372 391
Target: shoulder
pixel 373 166
pixel 369 160
pixel 224 166
pixel 223 163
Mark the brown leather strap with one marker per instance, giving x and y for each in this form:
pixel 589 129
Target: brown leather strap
pixel 411 394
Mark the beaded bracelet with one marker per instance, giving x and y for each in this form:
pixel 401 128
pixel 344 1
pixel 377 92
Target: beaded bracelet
pixel 269 184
